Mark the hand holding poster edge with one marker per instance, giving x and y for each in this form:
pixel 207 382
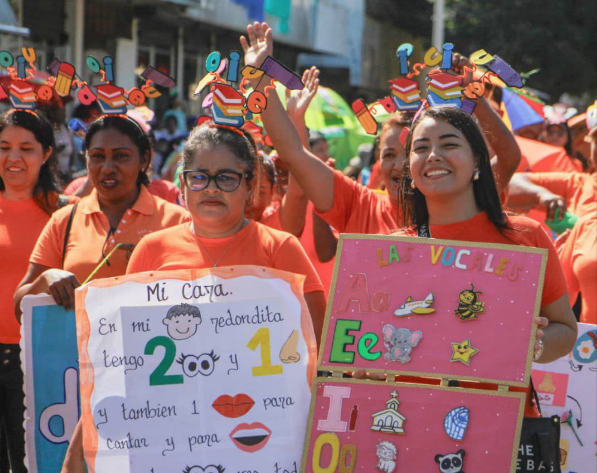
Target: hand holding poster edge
pixel 90 437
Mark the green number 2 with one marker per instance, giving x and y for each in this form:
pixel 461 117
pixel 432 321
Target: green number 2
pixel 159 376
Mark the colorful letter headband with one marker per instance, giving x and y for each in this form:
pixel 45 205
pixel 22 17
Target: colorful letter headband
pixel 444 87
pixel 64 79
pixel 228 105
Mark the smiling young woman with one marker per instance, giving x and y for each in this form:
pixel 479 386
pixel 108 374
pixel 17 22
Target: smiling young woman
pixel 119 210
pixel 220 177
pixel 450 193
pixel 28 196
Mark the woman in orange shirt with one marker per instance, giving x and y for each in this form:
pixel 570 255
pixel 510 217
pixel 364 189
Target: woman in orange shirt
pixel 346 205
pixel 220 170
pixel 28 196
pixel 452 195
pixel 578 254
pixel 119 211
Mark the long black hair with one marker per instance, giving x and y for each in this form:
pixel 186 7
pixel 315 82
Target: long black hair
pixel 47 188
pixel 414 212
pixel 128 127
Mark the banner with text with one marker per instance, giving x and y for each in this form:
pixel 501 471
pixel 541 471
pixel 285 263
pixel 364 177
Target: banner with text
pixel 195 371
pixel 437 308
pixel 567 387
pixel 49 360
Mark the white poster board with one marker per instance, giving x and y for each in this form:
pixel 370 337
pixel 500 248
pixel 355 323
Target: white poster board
pixel 568 388
pixel 199 371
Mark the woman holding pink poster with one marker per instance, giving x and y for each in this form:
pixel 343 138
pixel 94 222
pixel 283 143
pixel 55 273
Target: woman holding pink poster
pixel 448 191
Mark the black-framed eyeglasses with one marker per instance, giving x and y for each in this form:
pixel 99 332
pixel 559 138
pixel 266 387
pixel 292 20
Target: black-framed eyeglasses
pixel 227 181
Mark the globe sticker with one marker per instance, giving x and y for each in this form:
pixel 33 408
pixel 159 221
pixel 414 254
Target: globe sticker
pixel 456 422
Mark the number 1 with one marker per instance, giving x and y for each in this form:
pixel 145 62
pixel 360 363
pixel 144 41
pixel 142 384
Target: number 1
pixel 262 338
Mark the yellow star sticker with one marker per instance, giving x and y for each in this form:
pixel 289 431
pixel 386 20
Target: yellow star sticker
pixel 463 352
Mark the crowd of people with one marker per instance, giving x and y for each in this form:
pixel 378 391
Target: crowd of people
pixel 169 198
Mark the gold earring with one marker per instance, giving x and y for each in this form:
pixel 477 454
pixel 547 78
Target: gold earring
pixel 476 176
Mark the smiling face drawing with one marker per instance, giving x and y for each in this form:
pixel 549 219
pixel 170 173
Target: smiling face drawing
pixel 182 321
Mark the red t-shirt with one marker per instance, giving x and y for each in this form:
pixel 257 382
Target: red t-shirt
pixel 529 233
pixel 256 244
pixel 358 209
pixel 21 222
pixel 578 254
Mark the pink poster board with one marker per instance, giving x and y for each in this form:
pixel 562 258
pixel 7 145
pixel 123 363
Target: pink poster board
pixel 366 426
pixel 436 308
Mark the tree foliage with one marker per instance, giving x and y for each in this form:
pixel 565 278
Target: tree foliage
pixel 555 36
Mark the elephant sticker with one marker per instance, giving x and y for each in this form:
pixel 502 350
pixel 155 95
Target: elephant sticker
pixel 400 342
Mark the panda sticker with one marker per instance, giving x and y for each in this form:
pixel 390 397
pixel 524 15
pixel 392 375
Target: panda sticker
pixel 451 463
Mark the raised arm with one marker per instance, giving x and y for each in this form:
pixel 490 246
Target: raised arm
pixel 294 204
pixel 315 178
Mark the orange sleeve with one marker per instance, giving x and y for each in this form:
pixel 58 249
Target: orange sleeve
pixel 554 285
pixel 565 248
pixel 140 259
pixel 291 257
pixel 49 247
pixel 349 199
pixel 555 182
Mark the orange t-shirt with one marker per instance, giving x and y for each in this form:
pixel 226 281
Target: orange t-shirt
pixel 271 216
pixel 375 179
pixel 578 254
pixel 358 209
pixel 166 190
pixel 324 270
pixel 256 244
pixel 578 189
pixel 20 224
pixel 529 233
pixel 90 239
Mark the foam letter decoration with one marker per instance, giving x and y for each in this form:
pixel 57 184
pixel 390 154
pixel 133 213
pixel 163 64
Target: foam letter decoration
pixel 334 442
pixel 342 339
pixel 136 97
pixel 404 51
pixel 432 57
pixel 93 64
pixel 6 59
pixel 233 66
pixel 481 57
pixel 44 93
pixel 356 290
pixel 109 68
pixel 86 96
pixel 447 56
pixel 29 54
pixel 21 68
pixel 251 72
pixel 213 61
pixel 257 102
pixel 333 422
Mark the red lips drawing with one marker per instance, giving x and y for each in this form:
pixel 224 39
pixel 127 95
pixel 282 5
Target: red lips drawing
pixel 233 407
pixel 250 438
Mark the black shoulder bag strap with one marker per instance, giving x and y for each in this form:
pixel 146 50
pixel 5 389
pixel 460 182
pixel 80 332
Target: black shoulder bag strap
pixel 67 233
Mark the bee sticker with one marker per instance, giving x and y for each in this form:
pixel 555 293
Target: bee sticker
pixel 469 305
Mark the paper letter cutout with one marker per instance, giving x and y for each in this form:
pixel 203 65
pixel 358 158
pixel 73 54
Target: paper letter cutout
pixel 333 422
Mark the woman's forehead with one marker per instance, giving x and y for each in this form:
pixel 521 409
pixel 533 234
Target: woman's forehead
pixel 111 138
pixel 217 156
pixel 434 127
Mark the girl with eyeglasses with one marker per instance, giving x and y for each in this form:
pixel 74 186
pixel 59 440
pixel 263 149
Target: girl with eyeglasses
pixel 220 177
pixel 119 211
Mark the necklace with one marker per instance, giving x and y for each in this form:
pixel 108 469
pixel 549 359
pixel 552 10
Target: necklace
pixel 215 263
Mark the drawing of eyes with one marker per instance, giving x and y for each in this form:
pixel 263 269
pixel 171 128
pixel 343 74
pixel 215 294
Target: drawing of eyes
pixel 203 364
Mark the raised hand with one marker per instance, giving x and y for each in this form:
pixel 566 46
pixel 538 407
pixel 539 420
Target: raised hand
pixel 260 44
pixel 297 101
